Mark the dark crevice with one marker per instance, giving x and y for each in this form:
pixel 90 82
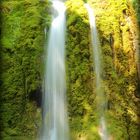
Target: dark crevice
pixel 36 96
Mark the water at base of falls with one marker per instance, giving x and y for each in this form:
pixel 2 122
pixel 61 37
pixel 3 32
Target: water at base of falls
pixel 55 122
pixel 103 130
pixel 101 103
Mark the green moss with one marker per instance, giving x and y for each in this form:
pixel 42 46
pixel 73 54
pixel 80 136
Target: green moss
pixel 22 46
pixel 116 25
pixel 21 72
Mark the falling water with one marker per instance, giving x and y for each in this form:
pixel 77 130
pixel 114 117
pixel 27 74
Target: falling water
pixel 55 124
pixel 101 103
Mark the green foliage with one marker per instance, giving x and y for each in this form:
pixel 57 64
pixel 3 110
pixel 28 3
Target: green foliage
pixel 79 67
pixel 119 64
pixel 136 5
pixel 22 42
pixel 116 25
pixel 21 51
pixel 77 57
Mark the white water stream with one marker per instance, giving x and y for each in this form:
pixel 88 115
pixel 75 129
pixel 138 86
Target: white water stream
pixel 101 103
pixel 55 120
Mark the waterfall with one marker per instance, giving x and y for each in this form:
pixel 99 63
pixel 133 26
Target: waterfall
pixel 101 103
pixel 55 123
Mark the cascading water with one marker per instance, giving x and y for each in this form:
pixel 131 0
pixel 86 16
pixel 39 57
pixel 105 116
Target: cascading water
pixel 101 103
pixel 55 123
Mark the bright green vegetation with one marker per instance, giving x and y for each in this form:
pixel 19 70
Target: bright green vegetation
pixel 21 53
pixel 118 32
pixel 22 42
pixel 136 5
pixel 79 68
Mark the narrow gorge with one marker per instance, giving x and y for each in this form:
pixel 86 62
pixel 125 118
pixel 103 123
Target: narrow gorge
pixel 70 70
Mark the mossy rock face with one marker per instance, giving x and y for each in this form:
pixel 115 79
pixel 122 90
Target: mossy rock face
pixel 21 50
pixel 22 67
pixel 79 68
pixel 118 33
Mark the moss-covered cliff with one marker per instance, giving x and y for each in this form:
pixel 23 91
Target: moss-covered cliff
pixel 118 33
pixel 22 42
pixel 119 41
pixel 79 67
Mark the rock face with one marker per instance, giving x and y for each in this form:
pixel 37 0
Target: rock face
pixel 20 53
pixel 21 71
pixel 118 32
